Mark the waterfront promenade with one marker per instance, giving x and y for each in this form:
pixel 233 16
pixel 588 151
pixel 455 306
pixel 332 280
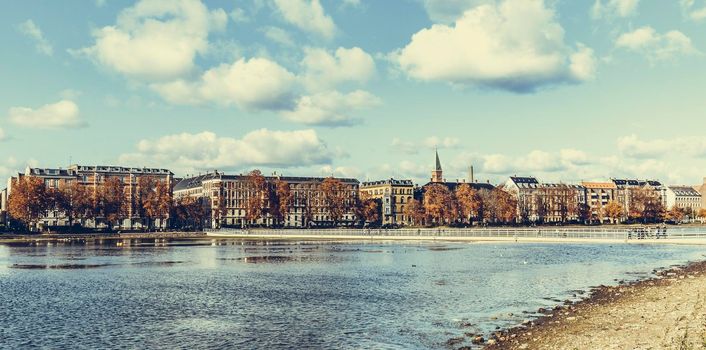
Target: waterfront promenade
pixel 618 234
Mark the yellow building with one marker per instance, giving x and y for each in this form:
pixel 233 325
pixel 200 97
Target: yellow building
pixel 393 195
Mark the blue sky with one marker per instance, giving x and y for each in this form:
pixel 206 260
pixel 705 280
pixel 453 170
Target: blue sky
pixel 563 90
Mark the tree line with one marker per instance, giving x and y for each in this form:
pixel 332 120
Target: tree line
pixel 270 202
pixel 106 204
pixel 274 200
pixel 465 206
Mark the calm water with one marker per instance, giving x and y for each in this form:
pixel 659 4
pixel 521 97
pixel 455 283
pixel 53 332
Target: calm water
pixel 295 295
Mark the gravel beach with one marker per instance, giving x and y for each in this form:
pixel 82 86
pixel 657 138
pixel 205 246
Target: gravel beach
pixel 665 312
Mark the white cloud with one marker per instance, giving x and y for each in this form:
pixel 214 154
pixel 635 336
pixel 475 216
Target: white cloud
pixel 656 46
pixel 63 114
pixel 238 15
pixel 448 11
pixel 206 150
pixel 2 135
pixel 570 156
pixel 350 3
pixel 308 16
pixel 31 30
pixel 254 84
pixel 515 45
pixel 278 35
pixel 341 171
pixel 612 8
pixel 156 39
pixel 428 143
pixel 330 108
pixel 261 84
pixel 407 147
pixel 441 142
pixel 693 11
pixel 634 147
pixel 322 70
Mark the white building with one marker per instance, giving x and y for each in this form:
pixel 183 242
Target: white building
pixel 684 197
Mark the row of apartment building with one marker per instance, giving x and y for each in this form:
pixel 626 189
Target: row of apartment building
pixel 91 178
pixel 224 196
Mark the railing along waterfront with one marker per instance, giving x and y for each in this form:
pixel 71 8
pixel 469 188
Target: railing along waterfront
pixel 615 233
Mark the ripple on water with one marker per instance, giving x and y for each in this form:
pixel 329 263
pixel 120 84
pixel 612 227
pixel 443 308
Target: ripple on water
pixel 290 295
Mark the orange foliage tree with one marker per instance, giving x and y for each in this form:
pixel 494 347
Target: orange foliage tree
pixel 440 204
pixel 334 192
pixel 469 202
pixel 28 200
pixel 256 196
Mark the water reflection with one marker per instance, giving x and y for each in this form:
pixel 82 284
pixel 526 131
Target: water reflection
pixel 270 294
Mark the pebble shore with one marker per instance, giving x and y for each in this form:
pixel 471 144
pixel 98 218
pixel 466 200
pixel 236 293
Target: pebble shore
pixel 664 312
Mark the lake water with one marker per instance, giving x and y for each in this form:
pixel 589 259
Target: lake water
pixel 249 294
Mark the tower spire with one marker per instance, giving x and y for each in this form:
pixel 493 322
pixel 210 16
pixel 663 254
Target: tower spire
pixel 437 173
pixel 438 163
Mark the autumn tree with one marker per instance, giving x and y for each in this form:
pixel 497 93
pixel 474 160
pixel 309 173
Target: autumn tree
pixel 189 212
pixel 73 200
pixel 368 209
pixel 281 201
pixel 256 196
pixel 157 203
pixel 583 212
pixel 143 205
pixel 614 211
pixel 334 196
pixel 645 205
pixel 469 202
pixel 440 204
pixel 414 211
pixel 676 214
pixel 307 207
pixel 702 213
pixel 27 201
pixel 112 202
pixel 501 206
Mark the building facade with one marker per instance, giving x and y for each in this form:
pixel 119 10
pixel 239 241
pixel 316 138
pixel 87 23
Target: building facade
pixel 545 202
pixel 683 197
pixel 3 208
pixel 393 196
pixel 702 189
pixel 92 178
pixel 626 186
pixel 598 195
pixel 226 198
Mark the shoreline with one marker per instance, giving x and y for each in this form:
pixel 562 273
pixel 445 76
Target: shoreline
pixel 167 236
pixel 667 311
pixel 461 239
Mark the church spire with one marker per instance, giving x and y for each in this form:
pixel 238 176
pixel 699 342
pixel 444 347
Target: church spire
pixel 438 163
pixel 437 174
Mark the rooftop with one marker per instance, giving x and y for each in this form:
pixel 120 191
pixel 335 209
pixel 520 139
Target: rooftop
pixel 599 185
pixel 392 182
pixel 685 191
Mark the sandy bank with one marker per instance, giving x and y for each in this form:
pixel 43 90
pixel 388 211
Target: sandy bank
pixel 667 312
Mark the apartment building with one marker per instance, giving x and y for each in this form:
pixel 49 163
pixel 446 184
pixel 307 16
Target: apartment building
pixel 93 177
pixel 226 197
pixel 393 196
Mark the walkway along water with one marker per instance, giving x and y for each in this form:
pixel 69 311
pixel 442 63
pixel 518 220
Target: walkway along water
pixel 637 234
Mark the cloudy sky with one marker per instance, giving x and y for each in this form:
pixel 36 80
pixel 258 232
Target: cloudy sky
pixel 560 89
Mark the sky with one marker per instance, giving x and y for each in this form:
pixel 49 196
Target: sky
pixel 563 90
